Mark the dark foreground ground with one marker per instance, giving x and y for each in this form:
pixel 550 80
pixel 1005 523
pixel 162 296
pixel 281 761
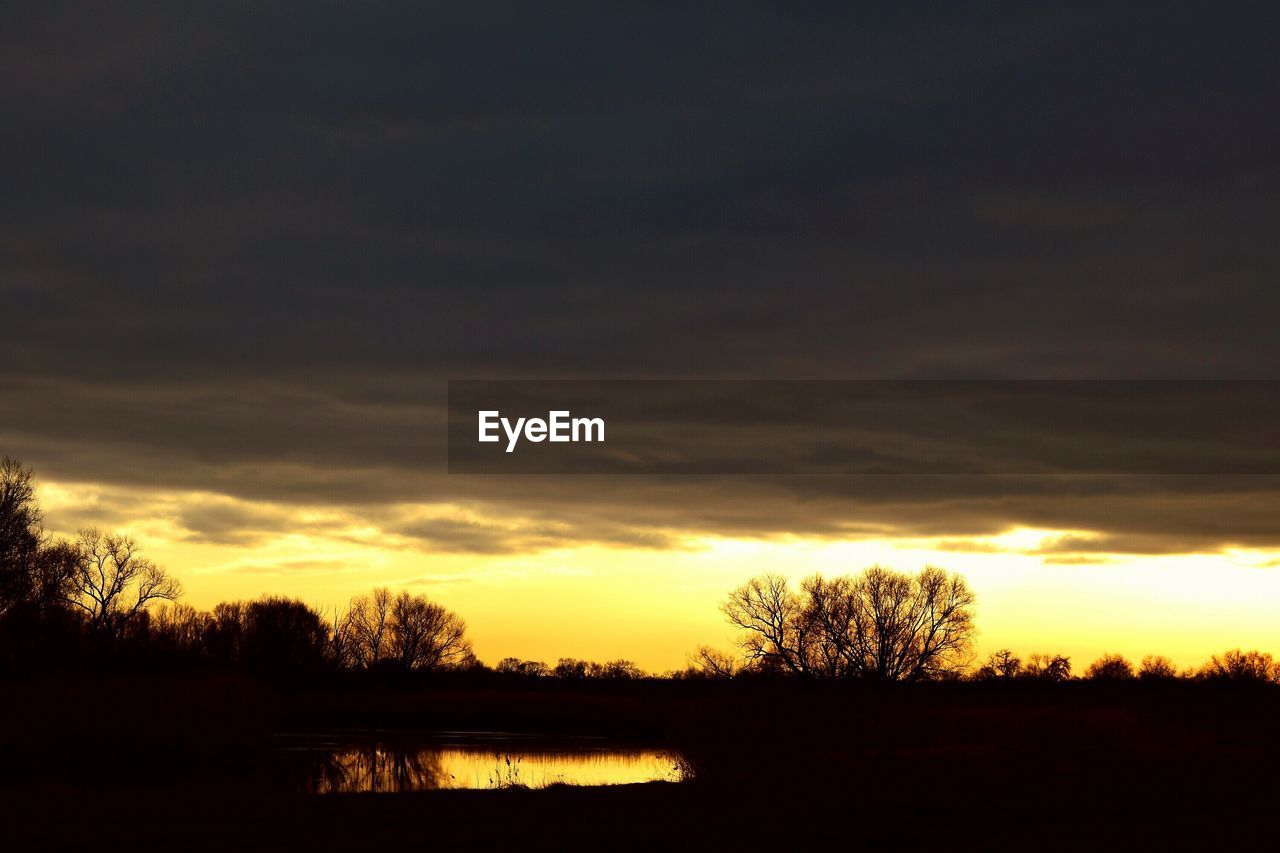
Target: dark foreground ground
pixel 183 763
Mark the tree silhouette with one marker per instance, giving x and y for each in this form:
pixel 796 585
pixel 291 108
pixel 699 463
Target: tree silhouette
pixel 1047 667
pixel 1157 668
pixel 620 669
pixel 523 668
pixel 570 668
pixel 709 662
pixel 426 636
pixel 1001 664
pixel 182 629
pixel 283 635
pixel 20 531
pixel 1109 668
pixel 1241 666
pixel 224 636
pixel 772 616
pixel 880 624
pixel 368 623
pixel 111 583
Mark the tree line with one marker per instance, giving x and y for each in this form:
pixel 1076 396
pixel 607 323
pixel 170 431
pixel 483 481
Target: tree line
pixel 95 598
pixel 884 625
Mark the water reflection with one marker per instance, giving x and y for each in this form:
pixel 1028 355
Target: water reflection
pixel 328 764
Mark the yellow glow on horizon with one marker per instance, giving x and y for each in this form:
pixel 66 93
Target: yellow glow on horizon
pixel 655 606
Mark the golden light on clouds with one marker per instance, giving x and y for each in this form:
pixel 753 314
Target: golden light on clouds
pixel 654 605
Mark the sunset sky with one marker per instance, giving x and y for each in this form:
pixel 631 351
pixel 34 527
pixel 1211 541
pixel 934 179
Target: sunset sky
pixel 242 250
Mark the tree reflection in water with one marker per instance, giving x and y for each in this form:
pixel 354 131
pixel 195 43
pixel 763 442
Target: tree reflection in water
pixel 377 768
pixel 380 767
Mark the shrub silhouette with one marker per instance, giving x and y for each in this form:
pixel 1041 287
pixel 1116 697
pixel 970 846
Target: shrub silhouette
pixel 1109 668
pixel 1157 668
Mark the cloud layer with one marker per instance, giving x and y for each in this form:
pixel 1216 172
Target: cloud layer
pixel 242 250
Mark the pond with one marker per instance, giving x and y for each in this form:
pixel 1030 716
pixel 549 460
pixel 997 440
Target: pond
pixel 365 761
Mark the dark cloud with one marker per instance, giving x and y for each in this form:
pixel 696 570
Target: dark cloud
pixel 507 535
pixel 242 248
pixel 293 567
pixel 231 523
pixel 474 537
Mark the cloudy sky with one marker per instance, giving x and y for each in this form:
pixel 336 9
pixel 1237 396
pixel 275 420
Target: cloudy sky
pixel 244 246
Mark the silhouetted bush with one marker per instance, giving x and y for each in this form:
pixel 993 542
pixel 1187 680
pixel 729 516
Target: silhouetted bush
pixel 1109 668
pixel 1157 668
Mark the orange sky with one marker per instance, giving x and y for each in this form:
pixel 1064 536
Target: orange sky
pixel 656 605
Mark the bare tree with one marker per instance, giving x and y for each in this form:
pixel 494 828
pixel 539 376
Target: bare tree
pixel 832 626
pixel 112 583
pixel 709 662
pixel 771 616
pixel 915 627
pixel 880 624
pixel 424 635
pixel 341 650
pixel 369 623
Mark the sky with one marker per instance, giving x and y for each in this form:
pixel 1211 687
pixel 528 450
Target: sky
pixel 243 247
